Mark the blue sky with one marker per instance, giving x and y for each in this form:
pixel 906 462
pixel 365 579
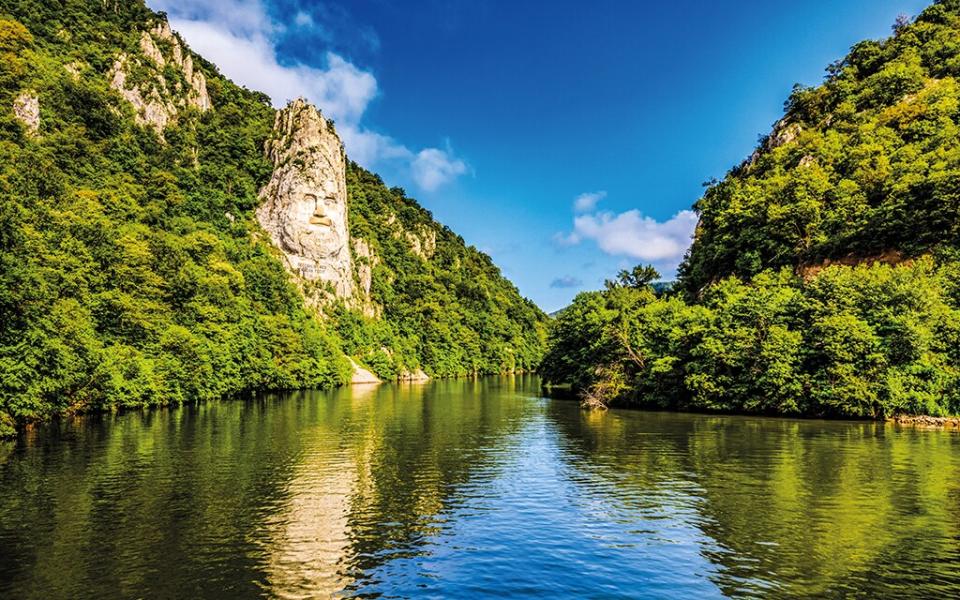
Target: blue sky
pixel 566 139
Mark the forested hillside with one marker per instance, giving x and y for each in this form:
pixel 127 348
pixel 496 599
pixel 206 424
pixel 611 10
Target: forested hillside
pixel 441 303
pixel 865 166
pixel 132 268
pixel 823 275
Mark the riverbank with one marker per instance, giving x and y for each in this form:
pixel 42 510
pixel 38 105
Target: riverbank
pixel 566 392
pixel 926 422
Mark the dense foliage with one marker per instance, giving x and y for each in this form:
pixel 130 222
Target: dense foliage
pixel 865 341
pixel 862 173
pixel 131 273
pixel 864 165
pixel 445 308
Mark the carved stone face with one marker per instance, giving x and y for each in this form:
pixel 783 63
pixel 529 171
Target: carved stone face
pixel 305 203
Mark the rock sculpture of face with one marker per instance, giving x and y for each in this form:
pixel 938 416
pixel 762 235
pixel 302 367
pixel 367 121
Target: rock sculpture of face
pixel 305 202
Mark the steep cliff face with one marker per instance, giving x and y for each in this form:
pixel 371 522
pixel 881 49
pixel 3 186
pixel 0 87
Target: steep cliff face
pixel 141 80
pixel 304 205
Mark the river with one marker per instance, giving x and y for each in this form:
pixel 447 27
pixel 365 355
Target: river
pixel 473 488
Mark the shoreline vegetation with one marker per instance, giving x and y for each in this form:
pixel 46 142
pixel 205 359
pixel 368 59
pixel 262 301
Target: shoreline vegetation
pixel 118 410
pixel 566 392
pixel 561 392
pixel 872 341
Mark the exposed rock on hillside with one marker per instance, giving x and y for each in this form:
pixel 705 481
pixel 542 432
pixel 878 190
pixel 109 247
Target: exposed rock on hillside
pixel 143 84
pixel 415 376
pixel 365 260
pixel 422 240
pixel 361 375
pixel 304 205
pixel 809 270
pixel 26 107
pixel 784 132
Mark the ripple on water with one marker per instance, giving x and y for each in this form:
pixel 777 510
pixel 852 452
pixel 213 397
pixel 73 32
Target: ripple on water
pixel 474 489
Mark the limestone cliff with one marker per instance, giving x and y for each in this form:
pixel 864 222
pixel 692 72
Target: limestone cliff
pixel 26 108
pixel 304 205
pixel 141 79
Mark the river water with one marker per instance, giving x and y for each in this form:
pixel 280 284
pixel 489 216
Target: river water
pixel 464 489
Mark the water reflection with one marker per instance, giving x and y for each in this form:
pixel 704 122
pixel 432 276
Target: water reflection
pixel 473 488
pixel 805 508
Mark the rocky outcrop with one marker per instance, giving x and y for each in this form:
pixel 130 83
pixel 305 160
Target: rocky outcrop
pixel 150 107
pixel 809 270
pixel 155 100
pixel 422 240
pixel 365 259
pixel 304 205
pixel 149 49
pixel 26 108
pixel 926 422
pixel 415 376
pixel 361 375
pixel 784 132
pixel 74 68
pixel 195 94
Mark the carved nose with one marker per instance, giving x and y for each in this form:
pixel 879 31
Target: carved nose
pixel 319 218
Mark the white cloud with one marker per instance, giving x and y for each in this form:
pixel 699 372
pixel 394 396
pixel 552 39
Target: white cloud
pixel 341 90
pixel 588 201
pixel 239 36
pixel 368 147
pixel 244 17
pixel 633 235
pixel 433 167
